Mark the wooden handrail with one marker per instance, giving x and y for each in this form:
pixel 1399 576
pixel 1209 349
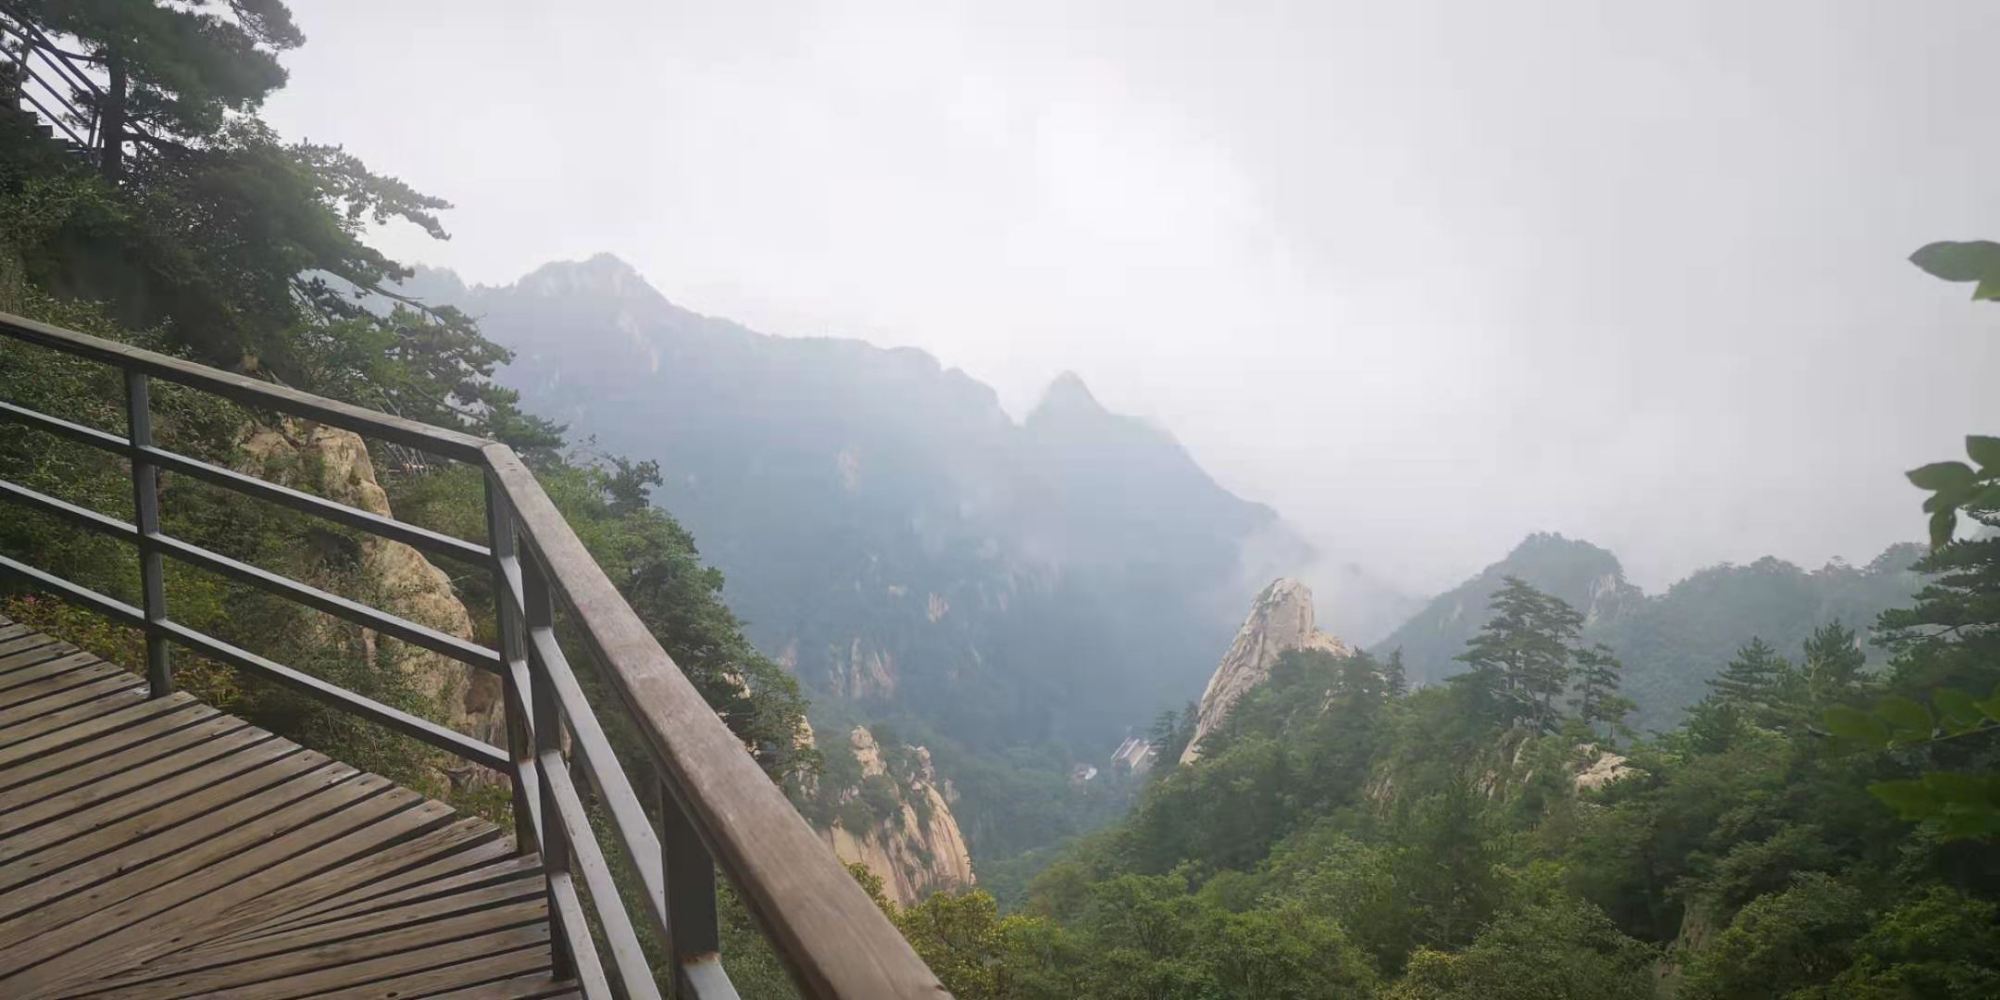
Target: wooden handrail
pixel 719 808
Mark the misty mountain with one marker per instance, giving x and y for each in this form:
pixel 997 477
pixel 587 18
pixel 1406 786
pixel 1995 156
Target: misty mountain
pixel 887 530
pixel 1670 642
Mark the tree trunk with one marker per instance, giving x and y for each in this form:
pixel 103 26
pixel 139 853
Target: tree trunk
pixel 111 120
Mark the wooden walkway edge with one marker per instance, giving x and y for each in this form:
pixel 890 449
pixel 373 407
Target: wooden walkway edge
pixel 159 848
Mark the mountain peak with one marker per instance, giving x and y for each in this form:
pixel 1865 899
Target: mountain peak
pixel 601 273
pixel 1067 394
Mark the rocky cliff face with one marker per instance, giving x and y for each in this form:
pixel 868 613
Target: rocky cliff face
pixel 1280 620
pixel 918 849
pixel 397 578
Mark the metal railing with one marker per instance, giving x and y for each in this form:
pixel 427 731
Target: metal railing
pixel 39 72
pixel 717 807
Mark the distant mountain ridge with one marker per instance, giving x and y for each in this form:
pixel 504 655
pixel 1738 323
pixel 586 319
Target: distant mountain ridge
pixel 1670 642
pixel 886 529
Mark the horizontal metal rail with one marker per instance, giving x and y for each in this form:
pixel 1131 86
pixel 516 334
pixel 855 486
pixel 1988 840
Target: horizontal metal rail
pixel 716 806
pixel 471 654
pixel 465 747
pixel 412 535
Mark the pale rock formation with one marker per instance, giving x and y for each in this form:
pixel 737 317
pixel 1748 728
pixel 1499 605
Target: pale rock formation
pixel 334 463
pixel 869 672
pixel 1136 753
pixel 918 855
pixel 1601 768
pixel 1280 620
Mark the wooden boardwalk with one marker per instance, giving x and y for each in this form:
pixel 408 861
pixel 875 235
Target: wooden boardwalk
pixel 159 848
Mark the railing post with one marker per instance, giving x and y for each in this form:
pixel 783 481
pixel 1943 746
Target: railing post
pixel 146 515
pixel 694 936
pixel 539 613
pixel 513 667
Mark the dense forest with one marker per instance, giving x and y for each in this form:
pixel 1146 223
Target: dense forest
pixel 1814 829
pixel 1671 642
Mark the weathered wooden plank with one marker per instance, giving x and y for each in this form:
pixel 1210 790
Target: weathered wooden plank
pixel 34 656
pixel 403 946
pixel 481 952
pixel 143 847
pixel 533 959
pixel 45 660
pixel 485 864
pixel 67 778
pixel 125 749
pixel 205 903
pixel 145 719
pixel 64 672
pixel 72 697
pixel 157 847
pixel 534 986
pixel 96 818
pixel 173 915
pixel 17 639
pixel 114 697
pixel 360 871
pixel 429 916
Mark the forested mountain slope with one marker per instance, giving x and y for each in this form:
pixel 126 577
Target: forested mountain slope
pixel 885 529
pixel 1342 836
pixel 1673 641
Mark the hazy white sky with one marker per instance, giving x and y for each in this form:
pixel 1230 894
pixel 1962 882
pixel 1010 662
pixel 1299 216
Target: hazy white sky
pixel 1424 276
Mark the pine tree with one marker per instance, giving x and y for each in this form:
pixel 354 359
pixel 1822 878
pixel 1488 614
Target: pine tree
pixel 1394 676
pixel 1595 696
pixel 1833 664
pixel 172 72
pixel 1521 658
pixel 1758 682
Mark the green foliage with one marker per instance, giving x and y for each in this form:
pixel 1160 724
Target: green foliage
pixel 1976 261
pixel 1520 660
pixel 1562 949
pixel 1669 643
pixel 1787 941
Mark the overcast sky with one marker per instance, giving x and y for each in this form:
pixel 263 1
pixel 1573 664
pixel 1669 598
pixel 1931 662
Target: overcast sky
pixel 1423 276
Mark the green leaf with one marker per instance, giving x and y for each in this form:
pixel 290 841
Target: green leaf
pixel 1943 523
pixel 1985 499
pixel 1957 710
pixel 1857 726
pixel 1989 708
pixel 1908 721
pixel 1975 260
pixel 1984 450
pixel 1910 799
pixel 1987 290
pixel 1943 477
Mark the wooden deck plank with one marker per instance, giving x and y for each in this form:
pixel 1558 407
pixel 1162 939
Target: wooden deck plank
pixel 540 986
pixel 165 744
pixel 531 942
pixel 115 696
pixel 111 795
pixel 157 806
pixel 364 874
pixel 525 891
pixel 53 676
pixel 153 848
pixel 21 654
pixel 12 665
pixel 532 958
pixel 399 949
pixel 56 873
pixel 70 697
pixel 471 869
pixel 145 719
